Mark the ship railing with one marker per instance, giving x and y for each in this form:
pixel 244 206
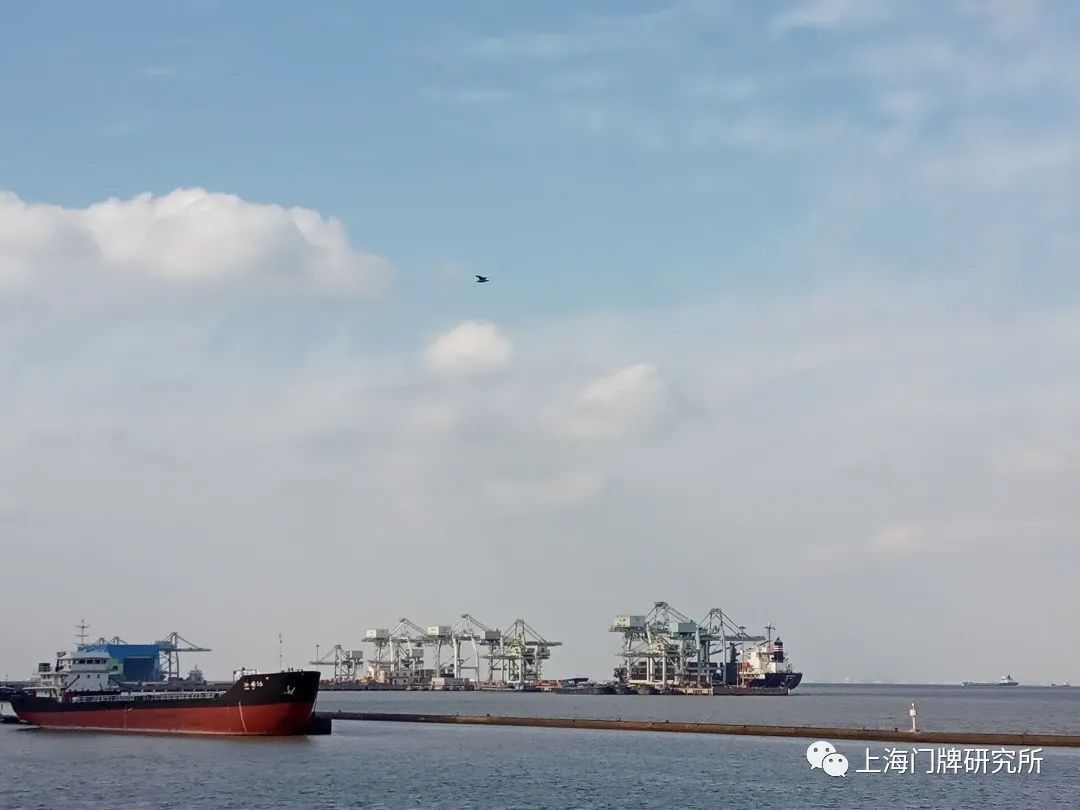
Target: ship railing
pixel 143 696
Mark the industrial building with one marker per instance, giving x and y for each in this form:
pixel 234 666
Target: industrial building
pixel 143 663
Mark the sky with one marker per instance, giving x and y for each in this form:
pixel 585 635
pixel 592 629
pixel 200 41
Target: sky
pixel 784 318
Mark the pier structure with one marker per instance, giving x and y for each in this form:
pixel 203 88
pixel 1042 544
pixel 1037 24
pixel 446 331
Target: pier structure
pixel 956 736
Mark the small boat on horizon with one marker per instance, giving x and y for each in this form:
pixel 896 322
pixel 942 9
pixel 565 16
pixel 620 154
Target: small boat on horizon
pixel 1005 680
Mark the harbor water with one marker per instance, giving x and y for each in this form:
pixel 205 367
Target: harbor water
pixel 374 765
pixel 1013 709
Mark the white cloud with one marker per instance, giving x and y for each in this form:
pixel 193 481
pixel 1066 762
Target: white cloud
pixel 631 400
pixel 1008 18
pixel 937 391
pixel 967 70
pixel 991 162
pixel 189 236
pixel 595 34
pixel 702 129
pixel 469 349
pixel 157 72
pixel 823 414
pixel 471 96
pixel 831 14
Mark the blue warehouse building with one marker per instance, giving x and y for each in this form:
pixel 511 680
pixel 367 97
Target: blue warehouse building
pixel 137 662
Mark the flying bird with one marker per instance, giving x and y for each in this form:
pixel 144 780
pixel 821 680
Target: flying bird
pixel 481 279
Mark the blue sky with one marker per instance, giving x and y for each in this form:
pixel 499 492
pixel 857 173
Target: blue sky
pixel 646 151
pixel 789 287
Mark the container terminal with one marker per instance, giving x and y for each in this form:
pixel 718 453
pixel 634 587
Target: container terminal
pixel 443 657
pixel 661 652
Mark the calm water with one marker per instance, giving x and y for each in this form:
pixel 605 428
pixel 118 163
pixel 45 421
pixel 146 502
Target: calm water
pixel 403 766
pixel 1016 708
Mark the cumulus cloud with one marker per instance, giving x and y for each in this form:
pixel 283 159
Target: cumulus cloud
pixel 622 403
pixel 939 400
pixel 469 349
pixel 189 236
pixel 826 414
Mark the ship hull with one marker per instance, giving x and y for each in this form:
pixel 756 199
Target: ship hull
pixel 596 689
pixel 277 704
pixel 777 680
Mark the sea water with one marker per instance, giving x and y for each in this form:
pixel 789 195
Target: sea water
pixel 393 765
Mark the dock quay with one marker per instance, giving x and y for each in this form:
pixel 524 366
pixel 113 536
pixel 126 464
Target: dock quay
pixel 974 738
pixel 556 688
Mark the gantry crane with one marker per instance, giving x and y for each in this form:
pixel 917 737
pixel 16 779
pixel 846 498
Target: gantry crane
pixel 665 648
pixel 521 653
pixel 344 663
pixel 170 648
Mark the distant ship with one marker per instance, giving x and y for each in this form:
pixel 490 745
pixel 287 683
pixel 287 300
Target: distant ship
pixel 1005 680
pixel 79 693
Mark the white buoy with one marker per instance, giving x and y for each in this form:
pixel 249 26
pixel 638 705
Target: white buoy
pixel 912 712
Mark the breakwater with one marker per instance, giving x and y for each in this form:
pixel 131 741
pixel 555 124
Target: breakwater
pixel 1025 740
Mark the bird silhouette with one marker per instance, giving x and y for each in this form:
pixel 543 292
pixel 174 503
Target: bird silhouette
pixel 481 279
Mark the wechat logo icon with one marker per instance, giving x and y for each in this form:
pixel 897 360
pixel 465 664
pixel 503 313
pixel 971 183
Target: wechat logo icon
pixel 822 755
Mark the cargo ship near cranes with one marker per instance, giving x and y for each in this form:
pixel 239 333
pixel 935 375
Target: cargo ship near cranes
pixel 666 652
pixel 85 689
pixel 765 665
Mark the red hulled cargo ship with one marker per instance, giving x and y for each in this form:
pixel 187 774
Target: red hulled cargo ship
pixel 79 694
